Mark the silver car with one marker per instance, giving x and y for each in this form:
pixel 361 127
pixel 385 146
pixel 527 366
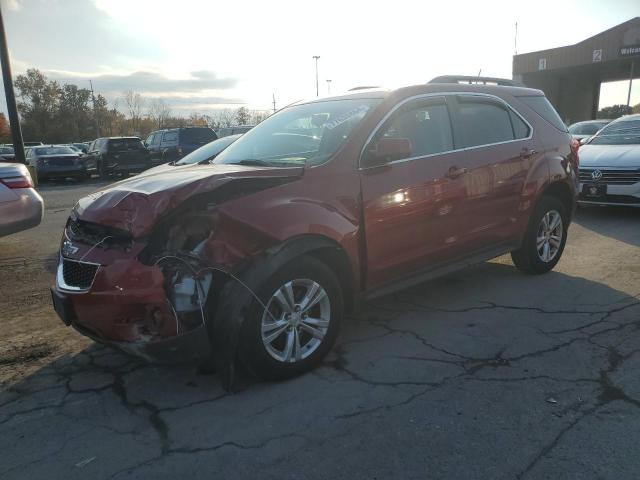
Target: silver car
pixel 610 165
pixel 21 207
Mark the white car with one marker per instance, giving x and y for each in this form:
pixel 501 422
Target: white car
pixel 21 207
pixel 610 165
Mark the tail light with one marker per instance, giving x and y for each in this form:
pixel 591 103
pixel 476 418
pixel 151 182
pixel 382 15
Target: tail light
pixel 22 181
pixel 575 147
pixel 179 150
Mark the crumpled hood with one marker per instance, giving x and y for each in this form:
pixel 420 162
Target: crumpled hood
pixel 610 156
pixel 136 203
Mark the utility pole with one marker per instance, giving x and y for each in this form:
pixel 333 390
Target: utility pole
pixel 328 87
pixel 515 41
pixel 316 57
pixel 7 78
pixel 274 103
pixel 95 117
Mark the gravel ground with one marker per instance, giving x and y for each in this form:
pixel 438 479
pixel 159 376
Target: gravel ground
pixel 483 374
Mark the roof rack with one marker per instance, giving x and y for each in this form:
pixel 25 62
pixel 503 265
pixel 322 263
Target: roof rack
pixel 362 88
pixel 504 82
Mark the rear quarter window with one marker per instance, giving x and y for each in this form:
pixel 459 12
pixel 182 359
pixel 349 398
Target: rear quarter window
pixel 197 135
pixel 543 107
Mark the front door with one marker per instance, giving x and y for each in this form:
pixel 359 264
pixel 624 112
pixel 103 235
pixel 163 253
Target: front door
pixel 413 192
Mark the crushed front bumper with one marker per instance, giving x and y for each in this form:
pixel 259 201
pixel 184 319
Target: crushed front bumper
pixel 126 307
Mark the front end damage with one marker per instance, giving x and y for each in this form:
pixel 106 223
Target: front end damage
pixel 153 292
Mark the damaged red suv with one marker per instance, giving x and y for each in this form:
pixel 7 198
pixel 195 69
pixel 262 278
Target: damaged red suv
pixel 257 256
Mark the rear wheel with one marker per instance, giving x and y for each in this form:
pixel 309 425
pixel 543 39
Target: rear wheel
pixel 545 238
pixel 299 324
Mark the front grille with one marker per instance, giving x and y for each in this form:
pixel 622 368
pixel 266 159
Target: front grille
pixel 78 274
pixel 612 176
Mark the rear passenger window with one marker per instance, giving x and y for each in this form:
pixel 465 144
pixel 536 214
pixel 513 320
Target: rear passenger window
pixel 425 123
pixel 482 122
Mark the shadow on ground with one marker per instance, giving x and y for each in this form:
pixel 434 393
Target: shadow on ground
pixel 485 373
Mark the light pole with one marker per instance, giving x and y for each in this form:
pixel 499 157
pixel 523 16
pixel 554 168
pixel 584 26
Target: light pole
pixel 316 57
pixel 328 87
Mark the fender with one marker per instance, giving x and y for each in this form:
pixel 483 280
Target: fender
pixel 238 294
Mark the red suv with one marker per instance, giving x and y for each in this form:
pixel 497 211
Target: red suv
pixel 257 255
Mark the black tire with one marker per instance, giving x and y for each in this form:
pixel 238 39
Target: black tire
pixel 253 353
pixel 527 258
pixel 103 172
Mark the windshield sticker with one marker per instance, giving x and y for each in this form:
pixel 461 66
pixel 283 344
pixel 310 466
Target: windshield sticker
pixel 361 110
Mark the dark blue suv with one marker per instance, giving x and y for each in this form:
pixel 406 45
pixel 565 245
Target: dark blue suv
pixel 174 143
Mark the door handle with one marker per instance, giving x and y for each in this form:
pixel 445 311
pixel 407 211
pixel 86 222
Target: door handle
pixel 527 153
pixel 455 172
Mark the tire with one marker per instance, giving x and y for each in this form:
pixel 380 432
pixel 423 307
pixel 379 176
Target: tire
pixel 261 359
pixel 529 258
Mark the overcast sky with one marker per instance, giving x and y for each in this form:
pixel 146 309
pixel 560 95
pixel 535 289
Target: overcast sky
pixel 202 55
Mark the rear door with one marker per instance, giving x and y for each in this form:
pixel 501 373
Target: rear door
pixel 412 205
pixel 168 146
pixel 498 153
pixel 189 139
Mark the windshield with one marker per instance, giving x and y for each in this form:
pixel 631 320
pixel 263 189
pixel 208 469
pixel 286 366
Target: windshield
pixel 54 151
pixel 626 132
pixel 310 133
pixel 586 128
pixel 208 151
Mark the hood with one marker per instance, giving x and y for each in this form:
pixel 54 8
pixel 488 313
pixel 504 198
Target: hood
pixel 610 156
pixel 135 204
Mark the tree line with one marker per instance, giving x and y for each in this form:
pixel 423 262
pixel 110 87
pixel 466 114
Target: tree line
pixel 53 112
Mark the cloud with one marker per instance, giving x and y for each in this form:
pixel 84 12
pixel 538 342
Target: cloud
pixel 145 82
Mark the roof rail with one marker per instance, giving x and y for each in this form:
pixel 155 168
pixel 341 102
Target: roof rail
pixel 362 88
pixel 476 80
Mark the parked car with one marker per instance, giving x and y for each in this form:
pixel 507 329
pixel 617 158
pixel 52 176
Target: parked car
pixel 203 155
pixel 610 165
pixel 57 161
pixel 120 155
pixel 21 207
pixel 82 146
pixel 325 203
pixel 7 154
pixel 172 144
pixel 226 131
pixel 583 130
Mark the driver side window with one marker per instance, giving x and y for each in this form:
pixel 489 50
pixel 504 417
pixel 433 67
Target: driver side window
pixel 417 129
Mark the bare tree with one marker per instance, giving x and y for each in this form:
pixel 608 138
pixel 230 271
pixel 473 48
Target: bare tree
pixel 134 103
pixel 159 111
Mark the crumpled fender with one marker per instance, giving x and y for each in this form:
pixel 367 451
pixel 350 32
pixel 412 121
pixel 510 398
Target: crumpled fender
pixel 236 299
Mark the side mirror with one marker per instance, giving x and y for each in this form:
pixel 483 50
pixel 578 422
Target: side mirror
pixel 387 150
pixel 585 140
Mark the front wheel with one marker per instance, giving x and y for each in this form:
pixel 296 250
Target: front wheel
pixel 545 238
pixel 300 323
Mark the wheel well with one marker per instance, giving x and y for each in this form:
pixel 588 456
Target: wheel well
pixel 562 192
pixel 336 259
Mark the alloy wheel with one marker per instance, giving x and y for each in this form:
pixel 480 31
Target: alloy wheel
pixel 296 320
pixel 549 237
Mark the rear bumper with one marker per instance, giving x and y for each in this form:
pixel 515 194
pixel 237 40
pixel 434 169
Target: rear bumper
pixel 621 195
pixel 126 307
pixel 21 214
pixel 62 171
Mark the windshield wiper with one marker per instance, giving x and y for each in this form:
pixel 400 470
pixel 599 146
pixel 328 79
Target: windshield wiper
pixel 254 162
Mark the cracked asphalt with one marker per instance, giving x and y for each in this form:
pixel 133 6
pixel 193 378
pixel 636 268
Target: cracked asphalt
pixel 483 374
